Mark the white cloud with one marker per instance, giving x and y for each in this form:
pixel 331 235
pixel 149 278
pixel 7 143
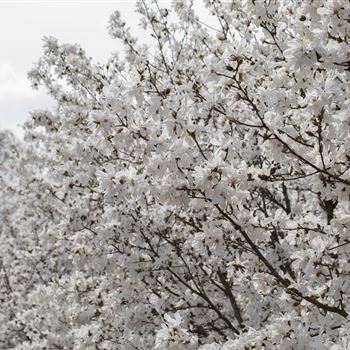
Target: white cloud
pixel 17 98
pixel 23 26
pixel 13 84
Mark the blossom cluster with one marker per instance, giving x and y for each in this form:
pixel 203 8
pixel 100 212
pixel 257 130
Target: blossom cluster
pixel 192 193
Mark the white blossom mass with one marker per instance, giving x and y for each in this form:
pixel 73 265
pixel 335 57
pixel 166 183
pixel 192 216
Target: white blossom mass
pixel 189 193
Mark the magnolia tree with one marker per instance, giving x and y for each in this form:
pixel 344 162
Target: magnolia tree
pixel 193 194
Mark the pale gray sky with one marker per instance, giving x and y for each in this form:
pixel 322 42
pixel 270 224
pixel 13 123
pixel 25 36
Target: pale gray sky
pixel 23 24
pixel 22 27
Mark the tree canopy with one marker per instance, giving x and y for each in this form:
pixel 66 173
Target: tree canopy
pixel 191 193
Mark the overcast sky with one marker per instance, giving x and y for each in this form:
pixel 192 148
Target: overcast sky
pixel 23 24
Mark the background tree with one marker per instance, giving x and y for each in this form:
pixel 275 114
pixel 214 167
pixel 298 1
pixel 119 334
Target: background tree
pixel 193 194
